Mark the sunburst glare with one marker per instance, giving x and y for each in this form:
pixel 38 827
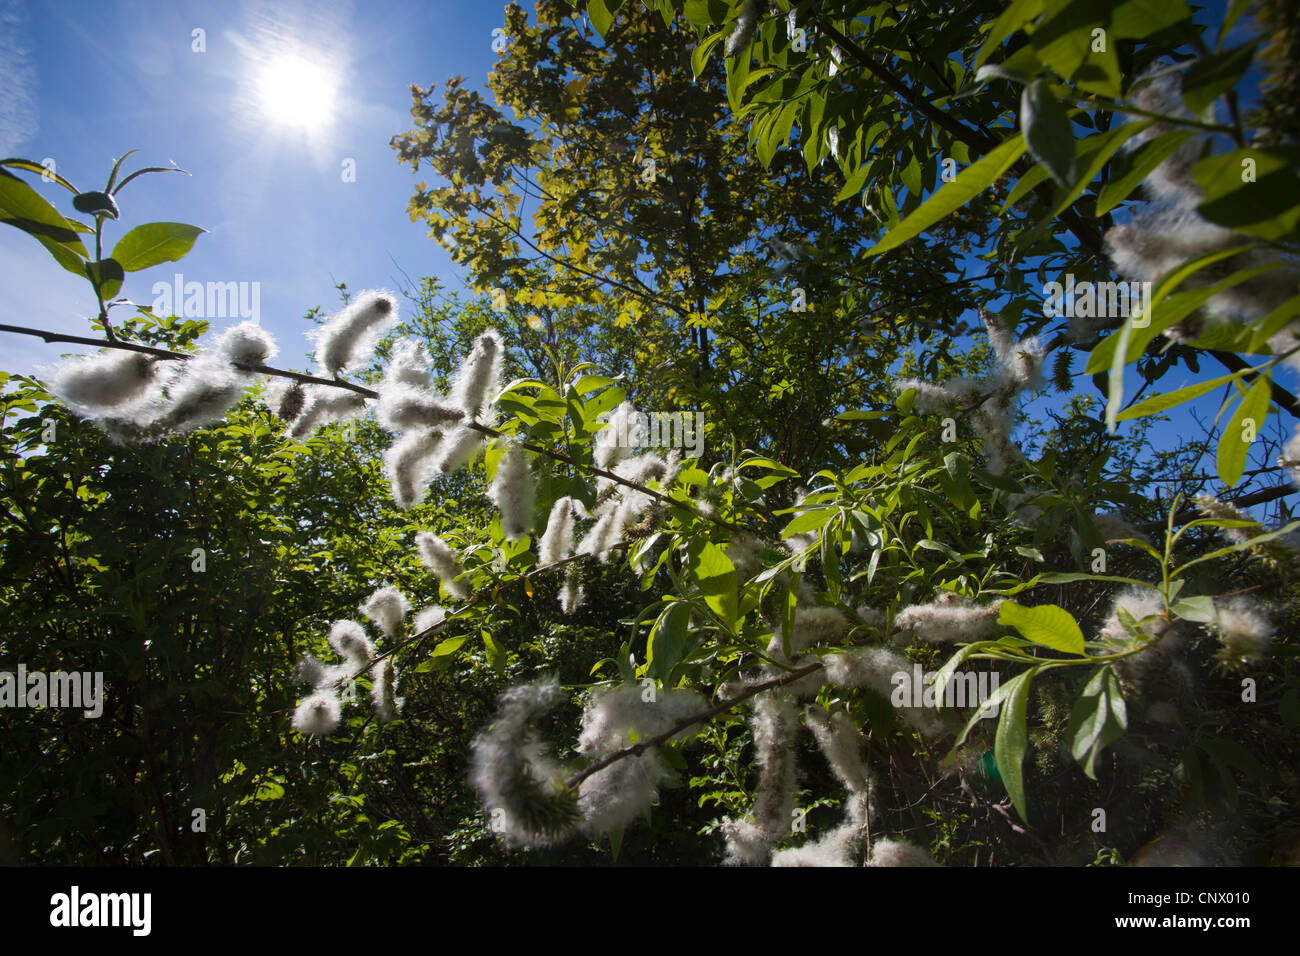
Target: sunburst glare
pixel 295 92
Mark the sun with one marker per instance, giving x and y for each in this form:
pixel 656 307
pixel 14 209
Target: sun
pixel 293 91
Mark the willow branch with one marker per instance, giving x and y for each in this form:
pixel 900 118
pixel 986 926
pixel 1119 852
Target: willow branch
pixel 367 393
pixel 475 598
pixel 640 747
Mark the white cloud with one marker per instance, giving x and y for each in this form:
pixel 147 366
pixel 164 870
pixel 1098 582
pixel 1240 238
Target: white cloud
pixel 18 114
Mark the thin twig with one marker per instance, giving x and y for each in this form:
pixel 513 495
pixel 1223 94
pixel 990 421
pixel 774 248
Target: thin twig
pixel 367 393
pixel 640 747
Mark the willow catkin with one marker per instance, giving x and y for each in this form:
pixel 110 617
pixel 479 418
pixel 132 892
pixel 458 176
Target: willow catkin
pixel 347 338
pixel 441 560
pixel 513 491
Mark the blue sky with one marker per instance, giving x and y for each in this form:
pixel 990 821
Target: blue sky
pixel 90 80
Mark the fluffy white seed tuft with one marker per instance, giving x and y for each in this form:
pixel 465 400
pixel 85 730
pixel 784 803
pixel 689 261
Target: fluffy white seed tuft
pixel 318 714
pixel 409 464
pixel 891 852
pixel 246 344
pixel 403 407
pixel 1243 630
pixel 383 690
pixel 749 841
pixel 513 491
pixel 1145 605
pixel 458 447
pixel 109 380
pixel 621 435
pixel 949 618
pixel 812 626
pixel 348 638
pixel 431 616
pixel 441 560
pixel 520 785
pixel 572 594
pixel 322 405
pixel 310 671
pixel 347 338
pixel 744 30
pixel 409 365
pixel 386 607
pixel 557 542
pixel 874 668
pixel 479 378
pixel 613 719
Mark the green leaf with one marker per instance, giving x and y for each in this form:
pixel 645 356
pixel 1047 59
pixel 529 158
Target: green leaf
pixel 1063 40
pixel 970 182
pixel 1023 186
pixel 1249 420
pixel 854 183
pixel 769 465
pixel 1254 542
pixel 1008 22
pixel 154 243
pixel 910 175
pixel 117 166
pixel 1047 131
pixel 448 646
pixel 1158 403
pixel 1098 718
pixel 148 169
pixel 1235 9
pixel 1098 150
pixel 948 669
pixel 930 545
pixel 269 790
pixel 1012 739
pixel 809 521
pixel 64 256
pixel 706 13
pixel 607 399
pixel 789 608
pixel 1139 19
pixel 1273 323
pixel 1199 609
pixel 496 655
pixel 589 383
pixel 716 577
pixel 602 13
pixel 700 55
pixel 667 641
pixel 1210 76
pixel 24 208
pixel 990 71
pixel 1267 206
pixel 46 173
pixel 106 275
pixel 1046 624
pixel 1147 158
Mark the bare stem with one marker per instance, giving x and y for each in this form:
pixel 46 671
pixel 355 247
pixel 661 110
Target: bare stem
pixel 641 746
pixel 367 393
